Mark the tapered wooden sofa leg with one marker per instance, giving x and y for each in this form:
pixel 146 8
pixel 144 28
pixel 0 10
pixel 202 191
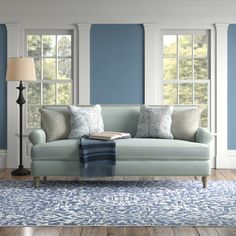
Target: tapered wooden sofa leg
pixel 36 181
pixel 204 181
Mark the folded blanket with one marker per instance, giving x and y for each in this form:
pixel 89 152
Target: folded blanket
pixel 97 157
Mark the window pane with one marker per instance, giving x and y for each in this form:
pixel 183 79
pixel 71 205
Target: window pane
pixel 185 69
pixel 37 64
pixel 170 94
pixel 34 93
pixel 49 69
pixel 200 93
pixel 200 46
pixel 200 69
pixel 64 45
pixel 170 45
pixel 185 45
pixel 64 93
pixel 49 94
pixel 185 94
pixel 169 67
pixel 64 69
pixel 49 45
pixel 33 116
pixel 204 115
pixel 34 45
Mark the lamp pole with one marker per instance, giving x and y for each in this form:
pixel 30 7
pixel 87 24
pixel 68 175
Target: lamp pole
pixel 20 171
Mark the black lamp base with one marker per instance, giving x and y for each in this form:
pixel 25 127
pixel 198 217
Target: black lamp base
pixel 20 172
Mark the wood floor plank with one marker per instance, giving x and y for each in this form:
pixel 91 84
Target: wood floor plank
pixel 185 231
pixel 42 231
pixel 94 231
pixel 24 231
pixel 70 231
pixel 8 231
pixel 226 231
pixel 116 231
pixel 138 231
pixel 163 231
pixel 207 231
pixel 229 174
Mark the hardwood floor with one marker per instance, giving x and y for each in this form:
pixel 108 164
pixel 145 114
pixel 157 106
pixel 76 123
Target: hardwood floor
pixel 120 231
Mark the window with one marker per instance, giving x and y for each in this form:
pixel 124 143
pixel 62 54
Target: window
pixel 186 70
pixel 52 53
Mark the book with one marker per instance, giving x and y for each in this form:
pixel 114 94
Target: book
pixel 108 135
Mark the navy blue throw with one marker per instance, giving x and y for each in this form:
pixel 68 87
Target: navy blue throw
pixel 97 157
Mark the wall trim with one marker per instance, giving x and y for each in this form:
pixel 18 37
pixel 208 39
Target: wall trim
pixel 150 64
pixel 229 161
pixel 84 63
pixel 221 94
pixel 3 158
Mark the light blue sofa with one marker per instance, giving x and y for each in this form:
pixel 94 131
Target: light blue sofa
pixel 135 156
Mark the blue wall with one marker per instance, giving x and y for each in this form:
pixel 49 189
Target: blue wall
pixel 3 87
pixel 232 87
pixel 117 64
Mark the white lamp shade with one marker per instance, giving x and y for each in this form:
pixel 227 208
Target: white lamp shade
pixel 20 69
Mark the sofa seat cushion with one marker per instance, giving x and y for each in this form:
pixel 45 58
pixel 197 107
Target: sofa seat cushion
pixel 160 149
pixel 134 149
pixel 65 149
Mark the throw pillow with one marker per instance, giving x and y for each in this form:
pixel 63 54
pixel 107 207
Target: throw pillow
pixel 85 121
pixel 155 122
pixel 185 123
pixel 55 123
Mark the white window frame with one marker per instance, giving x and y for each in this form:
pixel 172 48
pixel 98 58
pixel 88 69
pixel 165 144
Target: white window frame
pixel 207 81
pixel 73 79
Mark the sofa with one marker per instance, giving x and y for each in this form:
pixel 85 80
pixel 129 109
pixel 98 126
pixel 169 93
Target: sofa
pixel 135 156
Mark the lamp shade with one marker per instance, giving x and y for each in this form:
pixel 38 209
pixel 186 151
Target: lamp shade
pixel 20 69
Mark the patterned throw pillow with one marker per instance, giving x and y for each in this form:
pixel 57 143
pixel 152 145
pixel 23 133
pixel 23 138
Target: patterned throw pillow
pixel 185 123
pixel 85 121
pixel 155 122
pixel 55 123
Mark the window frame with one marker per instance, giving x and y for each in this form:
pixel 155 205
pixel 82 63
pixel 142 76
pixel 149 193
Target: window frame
pixel 193 81
pixel 73 81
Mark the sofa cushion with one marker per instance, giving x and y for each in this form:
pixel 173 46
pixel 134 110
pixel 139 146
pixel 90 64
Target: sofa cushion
pixel 85 121
pixel 134 149
pixel 155 122
pixel 55 123
pixel 185 123
pixel 160 149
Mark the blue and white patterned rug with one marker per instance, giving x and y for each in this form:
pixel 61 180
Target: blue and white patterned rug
pixel 144 203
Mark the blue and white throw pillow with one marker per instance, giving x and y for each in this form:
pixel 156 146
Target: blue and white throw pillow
pixel 85 121
pixel 155 122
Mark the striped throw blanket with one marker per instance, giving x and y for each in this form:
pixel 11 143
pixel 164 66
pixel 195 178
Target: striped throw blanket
pixel 97 157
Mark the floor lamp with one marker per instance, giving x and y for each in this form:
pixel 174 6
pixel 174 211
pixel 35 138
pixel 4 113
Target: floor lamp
pixel 20 69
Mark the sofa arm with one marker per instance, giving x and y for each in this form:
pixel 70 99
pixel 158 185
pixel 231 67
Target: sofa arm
pixel 203 136
pixel 37 136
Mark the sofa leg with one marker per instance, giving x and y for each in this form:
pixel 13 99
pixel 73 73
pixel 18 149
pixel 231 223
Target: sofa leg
pixel 204 181
pixel 36 181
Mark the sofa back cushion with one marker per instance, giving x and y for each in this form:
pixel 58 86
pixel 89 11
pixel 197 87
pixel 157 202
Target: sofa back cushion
pixel 123 118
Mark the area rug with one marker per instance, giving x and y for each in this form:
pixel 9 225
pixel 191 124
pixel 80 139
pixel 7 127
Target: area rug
pixel 118 203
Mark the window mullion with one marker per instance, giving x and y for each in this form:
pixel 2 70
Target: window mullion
pixel 193 75
pixel 177 67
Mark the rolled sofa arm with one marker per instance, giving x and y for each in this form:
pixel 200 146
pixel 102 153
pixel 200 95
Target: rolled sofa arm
pixel 37 136
pixel 203 136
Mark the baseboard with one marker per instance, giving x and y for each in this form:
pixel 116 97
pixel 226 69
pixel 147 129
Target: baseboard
pixel 3 158
pixel 228 161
